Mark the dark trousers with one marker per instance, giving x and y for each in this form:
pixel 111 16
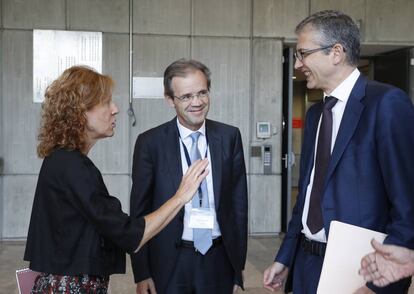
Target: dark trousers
pixel 307 271
pixel 195 273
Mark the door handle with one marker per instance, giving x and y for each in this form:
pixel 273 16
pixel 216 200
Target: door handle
pixel 289 160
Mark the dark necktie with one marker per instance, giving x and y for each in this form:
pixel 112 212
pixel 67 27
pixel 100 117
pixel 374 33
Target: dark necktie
pixel 323 154
pixel 201 237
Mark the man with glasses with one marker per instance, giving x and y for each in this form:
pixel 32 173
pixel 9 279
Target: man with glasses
pixel 357 156
pixel 203 250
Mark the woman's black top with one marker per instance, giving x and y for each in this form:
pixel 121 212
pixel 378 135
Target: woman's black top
pixel 76 227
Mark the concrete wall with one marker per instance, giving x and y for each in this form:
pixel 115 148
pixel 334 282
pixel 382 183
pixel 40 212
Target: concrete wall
pixel 240 40
pixel 1 123
pixel 204 30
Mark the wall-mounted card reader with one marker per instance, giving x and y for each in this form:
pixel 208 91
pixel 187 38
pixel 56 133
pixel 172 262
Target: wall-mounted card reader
pixel 263 130
pixel 267 159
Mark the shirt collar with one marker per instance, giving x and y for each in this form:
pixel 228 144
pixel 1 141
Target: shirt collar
pixel 185 132
pixel 344 89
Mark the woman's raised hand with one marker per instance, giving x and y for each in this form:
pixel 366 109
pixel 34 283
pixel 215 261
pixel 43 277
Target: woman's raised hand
pixel 192 180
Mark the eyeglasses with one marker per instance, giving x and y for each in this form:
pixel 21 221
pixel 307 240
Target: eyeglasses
pixel 187 97
pixel 301 54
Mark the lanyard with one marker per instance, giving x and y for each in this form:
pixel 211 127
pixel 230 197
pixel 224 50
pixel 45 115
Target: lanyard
pixel 187 158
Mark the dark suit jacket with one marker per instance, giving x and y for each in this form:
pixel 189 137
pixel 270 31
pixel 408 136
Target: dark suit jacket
pixel 156 175
pixel 370 178
pixel 76 227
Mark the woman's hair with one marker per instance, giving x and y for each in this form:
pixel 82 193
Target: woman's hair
pixel 67 99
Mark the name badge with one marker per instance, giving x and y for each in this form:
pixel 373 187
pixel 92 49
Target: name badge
pixel 201 218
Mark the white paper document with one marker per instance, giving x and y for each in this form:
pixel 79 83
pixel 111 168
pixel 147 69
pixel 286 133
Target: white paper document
pixel 347 244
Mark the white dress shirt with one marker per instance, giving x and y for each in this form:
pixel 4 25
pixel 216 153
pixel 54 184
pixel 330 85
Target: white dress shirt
pixel 342 93
pixel 202 146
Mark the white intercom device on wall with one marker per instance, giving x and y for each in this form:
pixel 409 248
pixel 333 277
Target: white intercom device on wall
pixel 263 130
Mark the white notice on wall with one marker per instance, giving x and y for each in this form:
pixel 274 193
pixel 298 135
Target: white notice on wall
pixel 148 87
pixel 55 51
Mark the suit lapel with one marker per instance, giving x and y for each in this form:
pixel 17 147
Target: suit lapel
pixel 172 152
pixel 310 141
pixel 349 123
pixel 215 145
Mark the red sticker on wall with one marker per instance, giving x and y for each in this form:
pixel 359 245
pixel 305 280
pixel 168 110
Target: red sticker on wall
pixel 297 123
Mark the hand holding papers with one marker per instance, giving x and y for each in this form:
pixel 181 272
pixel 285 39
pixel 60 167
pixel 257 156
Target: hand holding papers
pixel 387 264
pixel 347 244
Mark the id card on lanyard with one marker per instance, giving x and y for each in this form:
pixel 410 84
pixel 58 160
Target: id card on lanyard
pixel 201 218
pixel 188 160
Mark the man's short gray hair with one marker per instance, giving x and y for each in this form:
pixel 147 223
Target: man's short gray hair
pixel 334 27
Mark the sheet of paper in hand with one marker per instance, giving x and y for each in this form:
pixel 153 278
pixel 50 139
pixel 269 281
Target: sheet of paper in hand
pixel 346 246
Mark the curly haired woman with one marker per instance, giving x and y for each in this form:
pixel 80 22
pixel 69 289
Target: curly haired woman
pixel 78 234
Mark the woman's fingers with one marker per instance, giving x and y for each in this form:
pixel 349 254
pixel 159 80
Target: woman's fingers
pixel 193 178
pixel 198 166
pixel 198 170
